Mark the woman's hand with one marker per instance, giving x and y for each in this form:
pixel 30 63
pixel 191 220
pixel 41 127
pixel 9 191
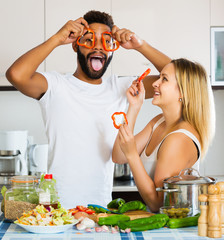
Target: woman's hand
pixel 126 38
pixel 71 31
pixel 127 141
pixel 136 94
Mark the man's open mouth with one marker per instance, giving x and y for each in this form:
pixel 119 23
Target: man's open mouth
pixel 97 62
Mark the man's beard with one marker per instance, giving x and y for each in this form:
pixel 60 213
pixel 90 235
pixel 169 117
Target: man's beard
pixel 84 65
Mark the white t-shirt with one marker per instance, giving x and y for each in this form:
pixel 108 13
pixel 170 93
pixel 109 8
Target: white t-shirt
pixel 80 131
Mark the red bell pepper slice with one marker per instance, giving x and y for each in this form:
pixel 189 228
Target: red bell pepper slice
pixel 117 125
pixel 144 74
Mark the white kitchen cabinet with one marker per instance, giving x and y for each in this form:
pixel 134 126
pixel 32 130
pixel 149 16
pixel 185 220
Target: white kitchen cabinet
pixel 179 28
pixel 217 15
pixel 22 28
pixel 63 58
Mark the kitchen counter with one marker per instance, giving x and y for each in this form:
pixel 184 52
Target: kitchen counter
pixel 10 231
pixel 124 186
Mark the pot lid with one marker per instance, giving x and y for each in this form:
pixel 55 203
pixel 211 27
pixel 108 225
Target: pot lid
pixel 189 176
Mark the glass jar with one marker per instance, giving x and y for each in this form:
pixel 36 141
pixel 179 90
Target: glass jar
pixel 21 197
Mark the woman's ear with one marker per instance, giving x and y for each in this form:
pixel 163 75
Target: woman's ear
pixel 75 46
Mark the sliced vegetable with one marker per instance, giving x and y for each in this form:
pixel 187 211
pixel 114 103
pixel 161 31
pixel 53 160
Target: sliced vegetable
pixel 90 211
pixel 144 74
pixel 73 211
pixel 85 40
pixel 119 118
pixel 42 217
pixel 81 209
pixel 109 43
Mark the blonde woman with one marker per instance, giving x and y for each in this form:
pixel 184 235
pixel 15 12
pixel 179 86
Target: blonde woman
pixel 176 139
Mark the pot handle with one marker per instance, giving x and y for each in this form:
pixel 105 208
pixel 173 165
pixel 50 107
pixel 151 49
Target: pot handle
pixel 167 190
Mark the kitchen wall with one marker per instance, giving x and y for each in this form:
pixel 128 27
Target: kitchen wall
pixel 180 28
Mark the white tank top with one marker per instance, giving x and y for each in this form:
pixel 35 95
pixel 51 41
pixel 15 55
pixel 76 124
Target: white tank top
pixel 149 162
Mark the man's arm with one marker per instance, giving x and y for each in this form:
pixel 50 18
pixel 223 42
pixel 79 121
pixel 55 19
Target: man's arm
pixel 129 40
pixel 158 59
pixel 22 74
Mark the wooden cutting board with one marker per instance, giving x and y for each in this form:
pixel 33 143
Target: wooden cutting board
pixel 138 214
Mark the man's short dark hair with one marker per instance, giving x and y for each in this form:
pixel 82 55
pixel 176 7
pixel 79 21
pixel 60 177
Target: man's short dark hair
pixel 99 17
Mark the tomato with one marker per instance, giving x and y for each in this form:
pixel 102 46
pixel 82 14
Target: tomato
pixel 81 208
pixel 90 211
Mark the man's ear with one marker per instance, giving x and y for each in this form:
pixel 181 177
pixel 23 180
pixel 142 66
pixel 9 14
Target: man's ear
pixel 75 46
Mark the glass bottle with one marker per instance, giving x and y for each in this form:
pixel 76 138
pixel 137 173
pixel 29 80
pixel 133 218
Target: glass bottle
pixel 48 193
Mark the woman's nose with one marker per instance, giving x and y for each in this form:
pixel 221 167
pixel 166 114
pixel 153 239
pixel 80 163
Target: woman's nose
pixel 156 84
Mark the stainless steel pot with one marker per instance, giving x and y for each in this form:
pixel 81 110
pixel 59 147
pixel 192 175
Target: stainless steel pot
pixel 183 190
pixel 122 172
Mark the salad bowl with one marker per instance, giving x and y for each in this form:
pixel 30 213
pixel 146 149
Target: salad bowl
pixel 46 229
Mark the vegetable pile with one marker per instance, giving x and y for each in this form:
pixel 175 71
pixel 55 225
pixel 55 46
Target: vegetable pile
pixel 40 216
pixel 141 224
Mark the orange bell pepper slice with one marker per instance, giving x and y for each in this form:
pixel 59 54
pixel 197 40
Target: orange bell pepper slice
pixel 117 125
pixel 85 44
pixel 105 45
pixel 144 74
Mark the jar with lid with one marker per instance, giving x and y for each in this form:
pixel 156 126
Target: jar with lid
pixel 21 197
pixel 47 192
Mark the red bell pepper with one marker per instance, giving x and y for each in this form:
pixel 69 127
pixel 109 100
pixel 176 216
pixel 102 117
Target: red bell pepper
pixel 144 74
pixel 117 125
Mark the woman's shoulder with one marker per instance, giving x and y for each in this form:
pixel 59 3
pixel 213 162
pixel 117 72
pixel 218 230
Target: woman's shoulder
pixel 180 145
pixel 181 141
pixel 186 127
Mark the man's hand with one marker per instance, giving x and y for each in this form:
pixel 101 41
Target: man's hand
pixel 71 31
pixel 126 38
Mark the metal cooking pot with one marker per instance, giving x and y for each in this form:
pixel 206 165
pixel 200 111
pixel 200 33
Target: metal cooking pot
pixel 122 172
pixel 183 190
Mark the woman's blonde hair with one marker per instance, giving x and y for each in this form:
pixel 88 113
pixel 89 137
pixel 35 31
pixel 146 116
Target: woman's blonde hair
pixel 197 99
